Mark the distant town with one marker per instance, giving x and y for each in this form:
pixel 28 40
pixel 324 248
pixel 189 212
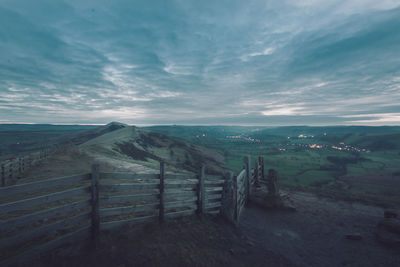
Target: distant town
pixel 341 146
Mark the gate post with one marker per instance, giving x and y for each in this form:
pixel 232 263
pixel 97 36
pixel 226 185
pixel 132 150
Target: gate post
pixel 261 166
pixel 235 200
pixel 247 166
pixel 23 164
pixel 227 197
pixel 11 170
pixel 256 174
pixel 162 176
pixel 19 166
pixel 3 175
pixel 201 204
pixel 95 203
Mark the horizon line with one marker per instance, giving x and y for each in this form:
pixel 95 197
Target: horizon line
pixel 194 125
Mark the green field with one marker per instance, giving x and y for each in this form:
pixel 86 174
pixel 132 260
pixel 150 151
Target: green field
pixel 367 165
pixel 355 174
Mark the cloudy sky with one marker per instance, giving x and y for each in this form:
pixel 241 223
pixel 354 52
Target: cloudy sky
pixel 270 62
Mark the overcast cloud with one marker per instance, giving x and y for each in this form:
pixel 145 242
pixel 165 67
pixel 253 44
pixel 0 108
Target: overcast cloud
pixel 321 62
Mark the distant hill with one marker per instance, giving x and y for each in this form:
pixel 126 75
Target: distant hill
pixel 24 138
pixel 140 145
pixel 373 138
pixel 189 132
pixel 81 137
pixel 43 128
pixel 308 130
pixel 114 140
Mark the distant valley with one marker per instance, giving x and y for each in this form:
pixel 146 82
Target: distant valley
pixel 351 162
pixel 355 162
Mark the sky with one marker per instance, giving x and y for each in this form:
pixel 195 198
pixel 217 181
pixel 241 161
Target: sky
pixel 286 62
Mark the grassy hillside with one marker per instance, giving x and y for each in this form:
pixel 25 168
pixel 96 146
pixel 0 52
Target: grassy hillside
pixel 22 138
pixel 115 141
pixel 148 148
pixel 361 162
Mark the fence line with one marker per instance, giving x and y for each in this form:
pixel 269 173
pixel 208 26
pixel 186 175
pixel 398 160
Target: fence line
pixel 15 167
pixel 49 213
pixel 243 185
pixel 45 214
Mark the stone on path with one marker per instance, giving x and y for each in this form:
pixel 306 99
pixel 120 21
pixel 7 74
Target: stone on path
pixel 390 214
pixel 354 236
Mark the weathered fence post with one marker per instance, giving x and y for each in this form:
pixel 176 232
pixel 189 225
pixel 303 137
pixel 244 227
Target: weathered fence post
pixel 3 175
pixel 201 192
pixel 235 200
pixel 227 197
pixel 261 166
pixel 11 170
pixel 256 174
pixel 272 182
pixel 162 176
pixel 19 166
pixel 203 189
pixel 23 164
pixel 247 167
pixel 95 202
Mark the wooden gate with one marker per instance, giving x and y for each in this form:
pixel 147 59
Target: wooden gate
pixel 240 193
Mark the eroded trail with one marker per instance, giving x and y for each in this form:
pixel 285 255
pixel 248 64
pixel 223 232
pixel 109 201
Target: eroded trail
pixel 315 234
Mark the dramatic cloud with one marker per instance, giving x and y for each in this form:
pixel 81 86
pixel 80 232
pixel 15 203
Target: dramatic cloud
pixel 314 62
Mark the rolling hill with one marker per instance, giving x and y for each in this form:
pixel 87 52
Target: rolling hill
pixel 116 147
pixel 145 147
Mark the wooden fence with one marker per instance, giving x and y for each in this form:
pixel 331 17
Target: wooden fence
pixel 241 189
pixel 15 167
pixel 243 184
pixel 38 216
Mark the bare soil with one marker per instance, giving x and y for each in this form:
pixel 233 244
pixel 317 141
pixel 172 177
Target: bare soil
pixel 315 235
pixel 190 241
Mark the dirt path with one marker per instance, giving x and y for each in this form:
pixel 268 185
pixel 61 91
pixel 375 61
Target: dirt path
pixel 315 234
pixel 312 236
pixel 189 241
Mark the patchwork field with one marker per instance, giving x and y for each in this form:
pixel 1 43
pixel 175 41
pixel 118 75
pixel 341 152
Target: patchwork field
pixel 350 162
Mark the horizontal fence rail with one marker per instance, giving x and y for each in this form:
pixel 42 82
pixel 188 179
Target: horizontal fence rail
pixel 123 175
pixel 15 167
pixel 40 215
pixel 44 184
pixel 45 214
pixel 26 204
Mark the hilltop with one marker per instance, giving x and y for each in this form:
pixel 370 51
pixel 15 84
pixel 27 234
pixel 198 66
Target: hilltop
pixel 149 148
pixel 116 147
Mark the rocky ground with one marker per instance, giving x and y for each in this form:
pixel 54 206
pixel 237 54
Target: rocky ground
pixel 321 232
pixel 191 241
